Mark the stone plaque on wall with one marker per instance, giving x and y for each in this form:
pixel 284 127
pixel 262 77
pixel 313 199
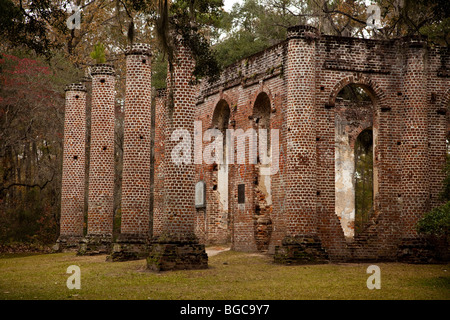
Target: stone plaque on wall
pixel 200 194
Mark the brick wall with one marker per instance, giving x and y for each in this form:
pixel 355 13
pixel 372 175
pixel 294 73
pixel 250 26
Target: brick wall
pixel 240 86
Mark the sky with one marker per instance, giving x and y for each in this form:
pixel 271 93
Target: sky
pixel 228 4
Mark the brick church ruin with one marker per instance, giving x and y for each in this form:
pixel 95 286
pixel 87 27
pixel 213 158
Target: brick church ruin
pixel 308 210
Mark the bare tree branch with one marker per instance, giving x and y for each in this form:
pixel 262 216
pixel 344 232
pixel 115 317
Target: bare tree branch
pixel 36 185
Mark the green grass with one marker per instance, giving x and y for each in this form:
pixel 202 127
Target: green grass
pixel 231 275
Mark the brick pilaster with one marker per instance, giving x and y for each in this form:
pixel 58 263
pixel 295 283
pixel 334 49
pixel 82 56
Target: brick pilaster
pixel 301 243
pixel 415 170
pixel 415 140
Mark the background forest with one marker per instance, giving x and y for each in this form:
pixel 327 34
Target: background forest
pixel 40 53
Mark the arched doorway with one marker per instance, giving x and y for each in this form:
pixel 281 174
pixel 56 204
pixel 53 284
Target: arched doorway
pixel 356 129
pixel 262 183
pixel 218 219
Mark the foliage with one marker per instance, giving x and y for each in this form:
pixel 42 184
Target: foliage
pixel 190 19
pixel 253 26
pixel 27 26
pixel 436 222
pixel 242 44
pixel 445 194
pixel 354 92
pixel 31 130
pixel 159 71
pixel 430 18
pixel 98 54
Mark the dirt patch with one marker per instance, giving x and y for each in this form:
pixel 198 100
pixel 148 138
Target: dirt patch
pixel 214 250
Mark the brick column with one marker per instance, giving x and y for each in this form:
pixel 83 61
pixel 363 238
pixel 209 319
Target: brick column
pixel 177 246
pixel 415 172
pixel 301 243
pixel 134 231
pixel 101 165
pixel 73 175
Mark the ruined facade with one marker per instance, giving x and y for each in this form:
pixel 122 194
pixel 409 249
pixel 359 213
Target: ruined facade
pixel 305 210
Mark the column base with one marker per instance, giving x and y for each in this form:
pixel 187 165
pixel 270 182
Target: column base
pixel 165 255
pixel 300 250
pixel 129 247
pixel 423 250
pixel 67 243
pixel 95 244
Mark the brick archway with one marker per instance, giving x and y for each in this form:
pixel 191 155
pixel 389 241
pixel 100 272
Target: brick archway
pixel 222 98
pixel 262 89
pixel 376 94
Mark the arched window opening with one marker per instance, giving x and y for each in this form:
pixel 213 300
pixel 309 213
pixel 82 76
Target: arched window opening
pixel 262 183
pixel 220 121
pixel 363 179
pixel 355 93
pixel 261 117
pixel 355 168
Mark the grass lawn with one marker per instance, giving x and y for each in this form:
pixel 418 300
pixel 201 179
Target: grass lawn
pixel 231 275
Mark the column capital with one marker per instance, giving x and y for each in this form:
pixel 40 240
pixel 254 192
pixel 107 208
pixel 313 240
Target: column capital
pixel 103 69
pixel 139 49
pixel 75 87
pixel 302 32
